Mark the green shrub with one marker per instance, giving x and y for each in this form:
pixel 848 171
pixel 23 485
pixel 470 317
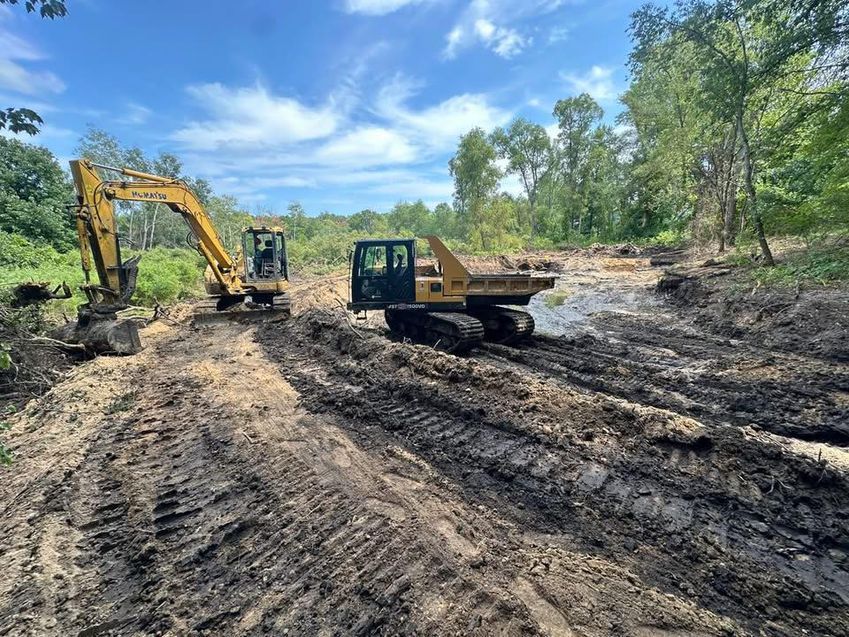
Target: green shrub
pixel 667 238
pixel 169 274
pixel 821 264
pixel 17 251
pixel 165 275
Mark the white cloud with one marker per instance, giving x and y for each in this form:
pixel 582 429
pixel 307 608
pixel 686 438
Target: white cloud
pixel 453 41
pixel 489 23
pixel 439 126
pixel 15 77
pixel 484 29
pixel 598 82
pixel 378 7
pixel 368 145
pixel 17 48
pixel 244 117
pixel 383 146
pixel 415 188
pixel 502 41
pixel 18 77
pixel 135 114
pixel 558 34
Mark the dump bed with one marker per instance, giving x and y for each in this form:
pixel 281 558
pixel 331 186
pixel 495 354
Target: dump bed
pixel 480 289
pixel 505 289
pixel 508 283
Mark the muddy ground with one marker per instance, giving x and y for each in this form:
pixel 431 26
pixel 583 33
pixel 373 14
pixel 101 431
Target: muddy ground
pixel 639 467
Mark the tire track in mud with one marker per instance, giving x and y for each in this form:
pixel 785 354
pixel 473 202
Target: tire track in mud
pixel 196 508
pixel 715 380
pixel 728 521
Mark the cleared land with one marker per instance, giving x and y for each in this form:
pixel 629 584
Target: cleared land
pixel 646 466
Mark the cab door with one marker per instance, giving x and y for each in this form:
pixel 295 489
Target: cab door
pixel 402 275
pixel 383 272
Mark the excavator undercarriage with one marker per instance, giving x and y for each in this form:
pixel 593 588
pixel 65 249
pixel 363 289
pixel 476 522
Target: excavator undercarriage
pixel 250 309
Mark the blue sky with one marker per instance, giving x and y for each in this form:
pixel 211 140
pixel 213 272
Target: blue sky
pixel 342 105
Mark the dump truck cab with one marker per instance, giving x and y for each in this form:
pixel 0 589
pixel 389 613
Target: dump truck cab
pixel 383 274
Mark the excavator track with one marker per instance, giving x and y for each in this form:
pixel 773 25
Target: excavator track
pixel 505 326
pixel 447 331
pixel 207 312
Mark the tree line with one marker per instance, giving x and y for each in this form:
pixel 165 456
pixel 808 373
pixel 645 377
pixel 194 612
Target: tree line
pixel 736 124
pixel 734 128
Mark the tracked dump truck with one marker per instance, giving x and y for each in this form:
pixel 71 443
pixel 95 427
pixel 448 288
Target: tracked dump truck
pixel 444 305
pixel 253 284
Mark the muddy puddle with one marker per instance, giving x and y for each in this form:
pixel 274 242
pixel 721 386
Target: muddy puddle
pixel 617 285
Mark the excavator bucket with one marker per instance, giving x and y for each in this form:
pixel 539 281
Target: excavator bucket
pixel 216 310
pixel 101 333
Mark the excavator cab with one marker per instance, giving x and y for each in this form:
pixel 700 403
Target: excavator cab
pixel 383 271
pixel 265 254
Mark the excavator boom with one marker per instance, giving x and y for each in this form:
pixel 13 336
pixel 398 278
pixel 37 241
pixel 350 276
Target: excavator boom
pixel 259 282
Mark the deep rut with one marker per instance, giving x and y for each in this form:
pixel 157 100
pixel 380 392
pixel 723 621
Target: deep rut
pixel 691 509
pixel 710 378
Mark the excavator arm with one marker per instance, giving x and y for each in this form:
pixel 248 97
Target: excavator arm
pixel 97 228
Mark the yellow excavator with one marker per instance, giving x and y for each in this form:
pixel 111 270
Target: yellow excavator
pixel 253 284
pixel 445 305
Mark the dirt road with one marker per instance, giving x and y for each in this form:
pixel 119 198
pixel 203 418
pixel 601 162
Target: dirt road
pixel 624 473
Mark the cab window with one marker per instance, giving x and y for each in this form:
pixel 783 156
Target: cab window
pixel 261 253
pixel 373 262
pixel 400 260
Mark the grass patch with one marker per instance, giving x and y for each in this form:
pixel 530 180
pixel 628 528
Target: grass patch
pixel 555 299
pixel 122 403
pixel 166 275
pixel 823 264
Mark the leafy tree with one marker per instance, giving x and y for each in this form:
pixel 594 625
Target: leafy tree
pixel 46 8
pixel 412 218
pixel 297 218
pixel 576 119
pixel 475 181
pixel 25 120
pixel 745 53
pixel 365 221
pixel 445 222
pixel 142 225
pixel 527 149
pixel 34 195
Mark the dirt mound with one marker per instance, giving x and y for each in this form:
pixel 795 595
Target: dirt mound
pixel 718 515
pixel 809 321
pixel 621 249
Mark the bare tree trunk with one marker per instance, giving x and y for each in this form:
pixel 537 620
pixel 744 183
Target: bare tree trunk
pixel 751 194
pixel 153 224
pixel 144 228
pixel 730 208
pixel 130 229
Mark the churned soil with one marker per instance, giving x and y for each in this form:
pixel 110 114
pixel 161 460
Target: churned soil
pixel 632 469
